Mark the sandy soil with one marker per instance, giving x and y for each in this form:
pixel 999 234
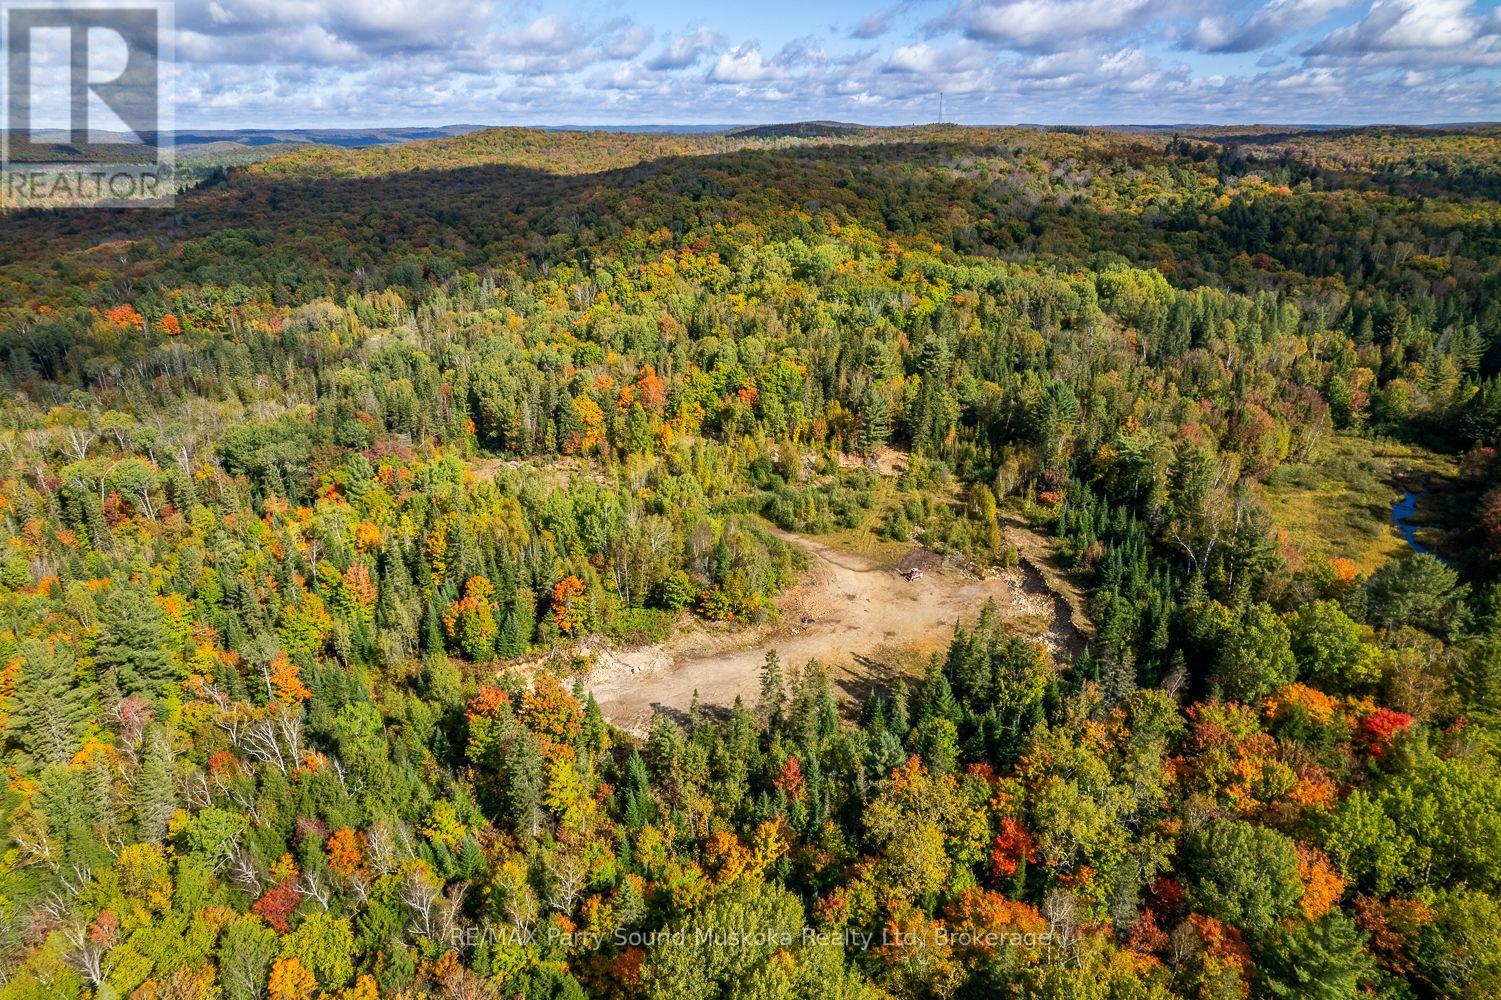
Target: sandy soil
pixel 867 624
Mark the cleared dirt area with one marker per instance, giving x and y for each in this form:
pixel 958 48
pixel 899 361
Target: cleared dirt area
pixel 855 615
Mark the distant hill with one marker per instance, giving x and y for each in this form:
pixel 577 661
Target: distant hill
pixel 346 138
pixel 798 130
pixel 647 127
pixel 253 137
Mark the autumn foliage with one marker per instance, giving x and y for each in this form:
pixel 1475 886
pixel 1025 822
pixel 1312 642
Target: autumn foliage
pixel 568 611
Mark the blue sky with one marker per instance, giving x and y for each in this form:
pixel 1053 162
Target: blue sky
pixel 331 63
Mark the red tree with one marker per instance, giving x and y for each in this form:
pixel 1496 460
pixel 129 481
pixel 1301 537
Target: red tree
pixel 278 904
pixel 1376 732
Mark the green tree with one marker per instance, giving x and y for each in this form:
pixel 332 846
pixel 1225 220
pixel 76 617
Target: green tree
pixel 1419 590
pixel 1459 949
pixel 525 783
pixel 1330 648
pixel 773 694
pixel 875 420
pixel 132 643
pixel 1243 873
pixel 324 944
pixel 246 950
pixel 1365 843
pixel 1323 960
pixel 153 797
pixel 1448 814
pixel 51 704
pixel 517 626
pixel 736 936
pixel 1255 656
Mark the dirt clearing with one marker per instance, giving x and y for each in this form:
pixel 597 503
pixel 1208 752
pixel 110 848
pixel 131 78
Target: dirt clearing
pixel 855 615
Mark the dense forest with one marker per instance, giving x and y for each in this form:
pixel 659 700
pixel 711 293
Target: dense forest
pixel 319 490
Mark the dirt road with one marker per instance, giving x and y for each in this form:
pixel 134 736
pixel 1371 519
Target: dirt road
pixel 866 623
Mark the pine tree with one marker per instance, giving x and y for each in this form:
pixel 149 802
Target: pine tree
pixel 50 705
pixel 773 693
pixel 395 608
pixel 100 786
pixel 432 625
pixel 732 758
pixel 938 696
pixel 635 791
pixel 594 735
pixel 516 626
pixel 471 861
pixel 969 667
pixel 901 713
pixel 132 644
pixel 875 420
pixel 525 783
pixel 1120 677
pixel 153 797
pixel 807 716
pixel 1323 960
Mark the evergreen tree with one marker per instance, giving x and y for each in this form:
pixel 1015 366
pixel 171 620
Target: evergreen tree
pixel 875 420
pixel 901 713
pixel 594 735
pixel 132 643
pixel 773 693
pixel 516 626
pixel 525 783
pixel 153 797
pixel 635 792
pixel 432 625
pixel 51 706
pixel 1323 960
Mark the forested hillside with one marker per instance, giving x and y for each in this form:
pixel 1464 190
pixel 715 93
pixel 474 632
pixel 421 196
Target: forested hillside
pixel 320 490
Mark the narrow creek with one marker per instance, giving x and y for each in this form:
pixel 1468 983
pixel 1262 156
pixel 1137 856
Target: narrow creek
pixel 1402 513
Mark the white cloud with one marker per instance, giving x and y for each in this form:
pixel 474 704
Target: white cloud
pixel 630 76
pixel 549 33
pixel 547 63
pixel 744 64
pixel 1047 25
pixel 306 44
pixel 919 58
pixel 875 25
pixel 384 26
pixel 1417 32
pixel 1268 25
pixel 686 50
pixel 628 41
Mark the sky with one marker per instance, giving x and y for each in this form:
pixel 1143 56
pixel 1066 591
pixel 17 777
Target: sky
pixel 366 63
